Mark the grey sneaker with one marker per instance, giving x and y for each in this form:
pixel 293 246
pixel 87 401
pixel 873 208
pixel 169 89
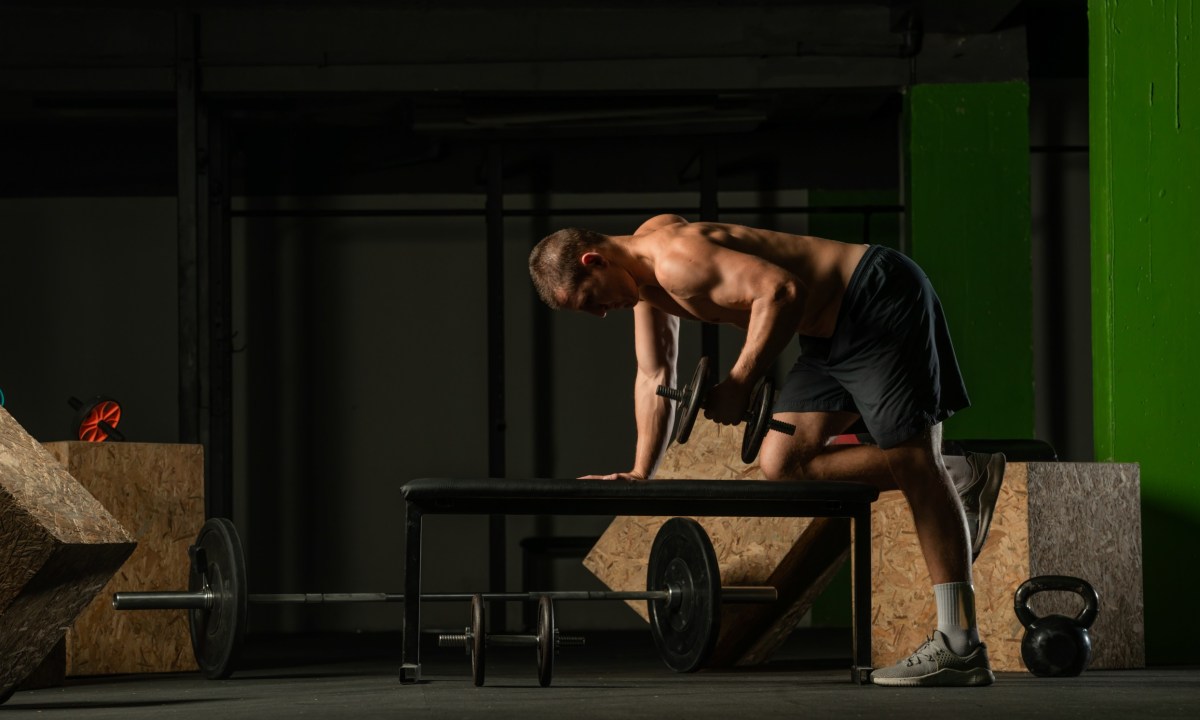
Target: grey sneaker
pixel 977 478
pixel 934 664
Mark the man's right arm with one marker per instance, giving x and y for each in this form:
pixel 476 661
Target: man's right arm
pixel 656 342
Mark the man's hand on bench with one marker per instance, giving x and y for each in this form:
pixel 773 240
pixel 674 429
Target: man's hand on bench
pixel 626 476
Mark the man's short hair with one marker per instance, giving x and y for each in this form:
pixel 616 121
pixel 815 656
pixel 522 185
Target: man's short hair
pixel 554 263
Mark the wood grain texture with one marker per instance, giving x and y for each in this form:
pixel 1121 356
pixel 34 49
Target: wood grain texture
pixel 1080 519
pixel 749 550
pixel 58 547
pixel 156 490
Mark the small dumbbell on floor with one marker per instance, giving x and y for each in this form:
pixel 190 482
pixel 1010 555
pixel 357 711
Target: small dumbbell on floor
pixel 758 417
pixel 476 641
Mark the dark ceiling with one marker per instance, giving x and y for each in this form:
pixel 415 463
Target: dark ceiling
pixel 387 96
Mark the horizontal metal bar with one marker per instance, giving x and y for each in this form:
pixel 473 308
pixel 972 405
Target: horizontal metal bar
pixel 183 600
pixel 556 212
pixel 510 640
pixel 464 640
pixel 204 599
pixel 321 598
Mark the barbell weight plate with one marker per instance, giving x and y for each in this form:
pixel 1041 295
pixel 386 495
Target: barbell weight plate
pixel 478 640
pixel 217 633
pixel 689 407
pixel 685 630
pixel 545 641
pixel 758 421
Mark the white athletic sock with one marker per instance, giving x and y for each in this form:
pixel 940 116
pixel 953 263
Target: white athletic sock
pixel 956 615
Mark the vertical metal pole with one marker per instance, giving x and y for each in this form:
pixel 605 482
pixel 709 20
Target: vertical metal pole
pixel 709 212
pixel 219 458
pixel 541 364
pixel 860 570
pixel 410 658
pixel 497 425
pixel 186 97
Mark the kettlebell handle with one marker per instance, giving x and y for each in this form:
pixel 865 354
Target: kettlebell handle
pixel 1041 583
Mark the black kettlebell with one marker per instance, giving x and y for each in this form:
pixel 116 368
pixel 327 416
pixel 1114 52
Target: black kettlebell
pixel 1056 645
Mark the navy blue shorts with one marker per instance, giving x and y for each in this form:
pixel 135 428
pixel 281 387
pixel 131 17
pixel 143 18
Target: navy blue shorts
pixel 890 358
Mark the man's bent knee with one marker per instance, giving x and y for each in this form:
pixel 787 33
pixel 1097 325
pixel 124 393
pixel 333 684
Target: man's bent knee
pixel 785 459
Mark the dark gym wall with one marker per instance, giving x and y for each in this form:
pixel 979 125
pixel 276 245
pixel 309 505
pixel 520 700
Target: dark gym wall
pixel 88 287
pixel 360 360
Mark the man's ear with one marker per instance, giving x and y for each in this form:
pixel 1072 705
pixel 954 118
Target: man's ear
pixel 593 258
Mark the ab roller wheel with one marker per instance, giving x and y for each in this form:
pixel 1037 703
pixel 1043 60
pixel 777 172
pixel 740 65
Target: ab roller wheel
pixel 97 419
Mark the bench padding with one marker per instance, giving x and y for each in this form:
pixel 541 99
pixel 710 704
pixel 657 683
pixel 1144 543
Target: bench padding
pixel 604 496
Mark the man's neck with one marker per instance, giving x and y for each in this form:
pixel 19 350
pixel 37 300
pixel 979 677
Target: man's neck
pixel 636 256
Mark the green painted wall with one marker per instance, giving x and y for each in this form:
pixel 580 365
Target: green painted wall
pixel 1144 75
pixel 967 190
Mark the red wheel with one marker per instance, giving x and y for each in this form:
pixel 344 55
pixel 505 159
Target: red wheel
pixel 97 420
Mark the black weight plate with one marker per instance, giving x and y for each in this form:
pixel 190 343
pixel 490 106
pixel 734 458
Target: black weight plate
pixel 545 640
pixel 759 418
pixel 478 640
pixel 217 633
pixel 685 629
pixel 689 407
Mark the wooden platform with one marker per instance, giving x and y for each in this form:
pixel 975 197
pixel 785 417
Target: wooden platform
pixel 58 547
pixel 157 491
pixel 750 551
pixel 1080 519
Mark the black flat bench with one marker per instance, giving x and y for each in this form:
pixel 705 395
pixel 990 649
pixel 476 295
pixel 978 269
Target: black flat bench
pixel 714 498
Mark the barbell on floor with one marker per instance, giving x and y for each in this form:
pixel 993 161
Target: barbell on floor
pixel 682 581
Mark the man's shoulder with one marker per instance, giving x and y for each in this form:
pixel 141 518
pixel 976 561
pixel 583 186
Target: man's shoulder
pixel 658 222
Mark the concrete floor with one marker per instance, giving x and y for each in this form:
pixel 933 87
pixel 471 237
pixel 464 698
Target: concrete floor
pixel 615 677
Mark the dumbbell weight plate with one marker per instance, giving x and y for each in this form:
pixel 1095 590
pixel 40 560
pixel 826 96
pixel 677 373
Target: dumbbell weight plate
pixel 545 641
pixel 478 640
pixel 684 629
pixel 689 407
pixel 217 633
pixel 758 421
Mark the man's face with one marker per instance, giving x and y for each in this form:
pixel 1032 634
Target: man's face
pixel 604 288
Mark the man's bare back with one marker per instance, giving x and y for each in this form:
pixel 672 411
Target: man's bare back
pixel 707 271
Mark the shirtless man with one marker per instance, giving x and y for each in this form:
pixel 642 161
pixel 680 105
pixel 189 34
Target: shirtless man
pixel 874 345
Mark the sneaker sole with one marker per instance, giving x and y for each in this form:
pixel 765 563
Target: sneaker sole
pixel 987 501
pixel 946 677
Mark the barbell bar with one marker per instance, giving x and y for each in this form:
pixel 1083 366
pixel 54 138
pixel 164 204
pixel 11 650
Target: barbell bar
pixel 683 594
pixel 205 599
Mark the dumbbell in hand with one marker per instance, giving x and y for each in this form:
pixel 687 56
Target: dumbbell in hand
pixel 758 415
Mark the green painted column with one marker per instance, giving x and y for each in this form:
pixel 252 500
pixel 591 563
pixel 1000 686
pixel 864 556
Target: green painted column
pixel 1144 76
pixel 967 192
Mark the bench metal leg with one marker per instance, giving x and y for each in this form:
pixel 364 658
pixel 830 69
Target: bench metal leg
pixel 410 668
pixel 860 560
